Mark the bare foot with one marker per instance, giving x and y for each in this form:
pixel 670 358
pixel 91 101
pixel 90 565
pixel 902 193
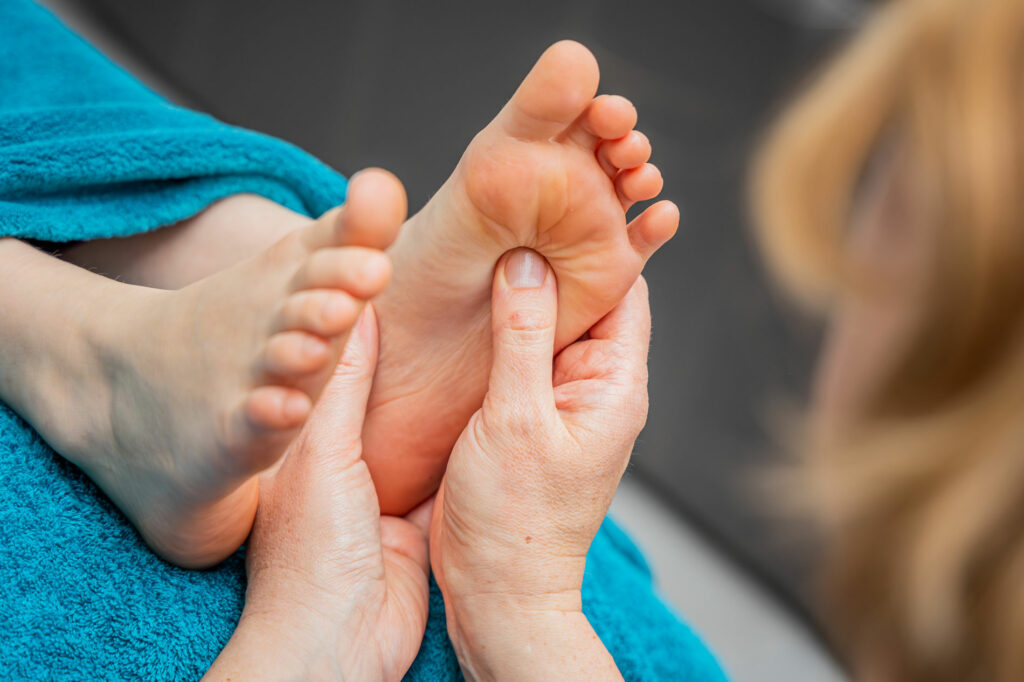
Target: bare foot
pixel 224 234
pixel 184 396
pixel 555 172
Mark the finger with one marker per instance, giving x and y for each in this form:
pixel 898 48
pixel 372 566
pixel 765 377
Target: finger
pixel 523 314
pixel 338 417
pixel 617 345
pixel 420 516
pixel 409 536
pixel 628 325
pixel 405 553
pixel 405 543
pixel 406 539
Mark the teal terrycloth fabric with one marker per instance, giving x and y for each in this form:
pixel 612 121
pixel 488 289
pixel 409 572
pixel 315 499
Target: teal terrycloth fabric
pixel 87 152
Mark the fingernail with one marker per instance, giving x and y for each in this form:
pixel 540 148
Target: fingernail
pixel 524 269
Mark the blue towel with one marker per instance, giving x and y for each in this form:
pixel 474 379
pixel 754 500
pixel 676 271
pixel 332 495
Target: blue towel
pixel 88 152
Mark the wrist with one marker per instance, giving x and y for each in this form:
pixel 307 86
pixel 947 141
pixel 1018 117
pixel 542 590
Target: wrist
pixel 473 620
pixel 527 578
pixel 263 649
pixel 291 642
pixel 499 639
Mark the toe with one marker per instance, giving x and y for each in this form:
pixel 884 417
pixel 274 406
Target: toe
pixel 652 228
pixel 638 184
pixel 325 312
pixel 373 212
pixel 609 117
pixel 277 407
pixel 631 151
pixel 294 353
pixel 554 94
pixel 361 272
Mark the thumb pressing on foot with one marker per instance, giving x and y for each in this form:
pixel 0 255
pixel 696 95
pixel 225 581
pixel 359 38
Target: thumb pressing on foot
pixel 524 308
pixel 337 421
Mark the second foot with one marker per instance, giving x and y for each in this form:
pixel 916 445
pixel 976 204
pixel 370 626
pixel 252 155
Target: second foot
pixel 204 387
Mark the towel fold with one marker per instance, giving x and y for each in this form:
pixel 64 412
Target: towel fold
pixel 87 152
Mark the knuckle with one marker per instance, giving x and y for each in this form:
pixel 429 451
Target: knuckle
pixel 637 386
pixel 517 417
pixel 351 365
pixel 633 405
pixel 640 289
pixel 621 412
pixel 521 430
pixel 528 320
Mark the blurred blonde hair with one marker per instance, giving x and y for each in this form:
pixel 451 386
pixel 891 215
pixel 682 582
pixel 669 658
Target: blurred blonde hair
pixel 921 497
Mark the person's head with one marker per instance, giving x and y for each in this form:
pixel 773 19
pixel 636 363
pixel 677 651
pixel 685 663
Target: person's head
pixel 892 194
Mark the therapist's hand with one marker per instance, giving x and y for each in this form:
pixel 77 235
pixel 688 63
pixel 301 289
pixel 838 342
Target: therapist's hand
pixel 531 478
pixel 335 591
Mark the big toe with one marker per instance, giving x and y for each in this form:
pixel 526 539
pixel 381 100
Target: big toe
pixel 554 94
pixel 371 216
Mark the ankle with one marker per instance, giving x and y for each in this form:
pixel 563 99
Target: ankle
pixel 64 328
pixel 224 234
pixel 41 330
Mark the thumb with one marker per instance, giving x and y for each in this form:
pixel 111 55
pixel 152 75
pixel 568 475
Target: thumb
pixel 524 306
pixel 339 413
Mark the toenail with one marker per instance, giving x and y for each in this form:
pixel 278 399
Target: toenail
pixel 524 269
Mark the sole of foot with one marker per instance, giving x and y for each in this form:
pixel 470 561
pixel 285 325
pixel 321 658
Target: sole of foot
pixel 555 171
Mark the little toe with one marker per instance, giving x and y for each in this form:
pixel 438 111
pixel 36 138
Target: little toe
pixel 294 353
pixel 638 184
pixel 631 151
pixel 361 272
pixel 325 312
pixel 609 117
pixel 649 231
pixel 554 94
pixel 277 407
pixel 374 210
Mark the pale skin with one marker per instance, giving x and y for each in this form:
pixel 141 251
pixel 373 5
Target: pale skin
pixel 335 590
pixel 338 592
pixel 172 401
pixel 255 339
pixel 530 480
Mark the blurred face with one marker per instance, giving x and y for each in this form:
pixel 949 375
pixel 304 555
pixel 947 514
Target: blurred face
pixel 867 333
